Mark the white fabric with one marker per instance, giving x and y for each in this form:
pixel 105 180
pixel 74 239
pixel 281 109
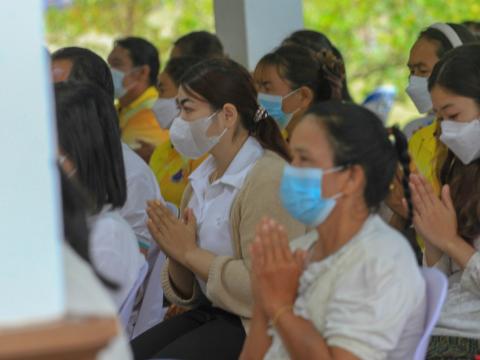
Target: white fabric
pixel 461 312
pixel 141 187
pixel 85 296
pixel 211 203
pixel 448 31
pixel 368 298
pixel 115 252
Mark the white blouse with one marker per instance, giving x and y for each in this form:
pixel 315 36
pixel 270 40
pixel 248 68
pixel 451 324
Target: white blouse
pixel 461 312
pixel 115 252
pixel 211 203
pixel 367 298
pixel 85 296
pixel 141 187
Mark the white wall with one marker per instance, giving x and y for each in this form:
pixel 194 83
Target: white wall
pixel 31 280
pixel 251 28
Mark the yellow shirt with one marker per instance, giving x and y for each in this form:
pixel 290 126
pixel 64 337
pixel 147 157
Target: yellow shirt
pixel 172 171
pixel 138 122
pixel 423 148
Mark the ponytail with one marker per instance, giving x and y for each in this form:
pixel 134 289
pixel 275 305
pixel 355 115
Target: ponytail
pixel 331 76
pixel 268 134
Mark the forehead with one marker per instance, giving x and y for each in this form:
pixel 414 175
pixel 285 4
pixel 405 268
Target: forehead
pixel 189 97
pixel 119 55
pixel 423 51
pixel 270 73
pixel 310 135
pixel 442 96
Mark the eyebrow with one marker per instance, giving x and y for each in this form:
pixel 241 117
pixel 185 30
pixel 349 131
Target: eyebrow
pixel 445 107
pixel 420 64
pixel 183 101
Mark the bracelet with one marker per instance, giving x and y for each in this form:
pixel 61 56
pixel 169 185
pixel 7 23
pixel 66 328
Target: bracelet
pixel 279 313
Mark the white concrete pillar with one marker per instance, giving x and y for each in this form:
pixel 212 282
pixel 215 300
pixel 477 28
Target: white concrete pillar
pixel 31 280
pixel 249 29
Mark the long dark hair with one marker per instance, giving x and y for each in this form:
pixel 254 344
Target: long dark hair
pixel 459 73
pixel 88 133
pixel 358 137
pixel 319 42
pixel 221 81
pixel 75 205
pixel 322 72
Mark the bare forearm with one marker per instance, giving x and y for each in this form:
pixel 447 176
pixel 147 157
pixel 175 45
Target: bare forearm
pixel 304 342
pixel 199 261
pixel 432 254
pixel 258 342
pixel 459 250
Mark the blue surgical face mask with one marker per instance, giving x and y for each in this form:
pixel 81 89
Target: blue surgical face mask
pixel 273 105
pixel 301 194
pixel 118 88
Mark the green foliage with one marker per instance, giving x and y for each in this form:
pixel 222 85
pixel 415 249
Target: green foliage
pixel 374 36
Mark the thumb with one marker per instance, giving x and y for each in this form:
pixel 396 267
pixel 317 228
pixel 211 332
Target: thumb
pixel 447 198
pixel 190 218
pixel 300 257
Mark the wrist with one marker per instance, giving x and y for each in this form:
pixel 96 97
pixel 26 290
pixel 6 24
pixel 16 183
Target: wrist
pixel 274 309
pixel 189 255
pixel 281 313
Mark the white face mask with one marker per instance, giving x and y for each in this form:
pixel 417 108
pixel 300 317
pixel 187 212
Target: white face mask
pixel 165 111
pixel 190 137
pixel 418 91
pixel 463 139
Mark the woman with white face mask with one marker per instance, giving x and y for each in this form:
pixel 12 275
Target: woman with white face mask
pixel 431 45
pixel 350 289
pixel 171 168
pixel 208 265
pixel 450 224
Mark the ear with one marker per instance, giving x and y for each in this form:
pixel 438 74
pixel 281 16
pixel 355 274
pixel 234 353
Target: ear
pixel 307 96
pixel 231 115
pixel 356 180
pixel 144 72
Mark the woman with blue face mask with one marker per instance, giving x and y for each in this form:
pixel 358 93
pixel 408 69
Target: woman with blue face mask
pixel 450 223
pixel 292 78
pixel 350 289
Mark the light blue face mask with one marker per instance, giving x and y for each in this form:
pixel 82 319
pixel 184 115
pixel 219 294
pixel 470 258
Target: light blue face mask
pixel 118 88
pixel 301 194
pixel 273 105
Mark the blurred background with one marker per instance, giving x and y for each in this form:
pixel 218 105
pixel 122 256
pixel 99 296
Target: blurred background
pixel 374 36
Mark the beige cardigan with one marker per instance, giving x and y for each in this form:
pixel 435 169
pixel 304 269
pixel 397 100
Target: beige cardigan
pixel 228 283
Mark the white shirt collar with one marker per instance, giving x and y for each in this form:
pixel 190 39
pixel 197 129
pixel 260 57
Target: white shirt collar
pixel 250 152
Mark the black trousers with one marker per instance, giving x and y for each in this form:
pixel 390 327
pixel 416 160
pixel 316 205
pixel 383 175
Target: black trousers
pixel 203 333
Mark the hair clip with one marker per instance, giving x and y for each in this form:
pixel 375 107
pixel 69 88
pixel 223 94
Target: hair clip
pixel 260 114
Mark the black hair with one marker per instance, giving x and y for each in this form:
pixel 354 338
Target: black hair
pixel 221 81
pixel 474 27
pixel 201 44
pixel 87 66
pixel 442 41
pixel 89 134
pixel 75 206
pixel 459 73
pixel 358 137
pixel 318 42
pixel 300 66
pixel 142 52
pixel 177 67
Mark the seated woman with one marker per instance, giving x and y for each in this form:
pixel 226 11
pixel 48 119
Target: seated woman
pixel 292 77
pixel 450 225
pixel 350 289
pixel 171 169
pixel 209 262
pixel 89 140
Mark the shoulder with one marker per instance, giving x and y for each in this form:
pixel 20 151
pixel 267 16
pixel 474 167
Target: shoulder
pixel 268 167
pixel 109 225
